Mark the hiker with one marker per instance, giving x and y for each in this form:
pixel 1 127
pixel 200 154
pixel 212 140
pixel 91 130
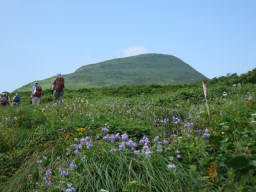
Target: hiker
pixel 5 99
pixel 36 94
pixel 16 99
pixel 58 88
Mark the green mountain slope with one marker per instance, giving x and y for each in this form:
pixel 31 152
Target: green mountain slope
pixel 142 69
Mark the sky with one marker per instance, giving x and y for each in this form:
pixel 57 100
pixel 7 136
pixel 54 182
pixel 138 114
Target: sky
pixel 40 38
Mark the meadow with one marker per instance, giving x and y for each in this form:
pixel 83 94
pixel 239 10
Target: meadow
pixel 133 138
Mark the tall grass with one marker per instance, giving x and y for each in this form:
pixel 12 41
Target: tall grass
pixel 34 139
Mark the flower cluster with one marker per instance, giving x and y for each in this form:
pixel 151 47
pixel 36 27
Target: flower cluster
pixel 110 138
pixel 188 124
pixel 46 179
pixel 70 188
pixel 176 120
pixel 164 120
pixel 72 165
pixel 63 172
pixel 206 134
pixel 159 149
pixel 178 154
pixel 144 141
pixel 121 142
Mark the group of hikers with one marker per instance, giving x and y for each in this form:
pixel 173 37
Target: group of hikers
pixel 57 92
pixel 5 99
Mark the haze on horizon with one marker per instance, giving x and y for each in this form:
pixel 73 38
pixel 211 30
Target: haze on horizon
pixel 41 38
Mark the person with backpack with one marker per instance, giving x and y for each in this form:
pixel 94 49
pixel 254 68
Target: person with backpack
pixel 5 99
pixel 16 99
pixel 36 94
pixel 58 88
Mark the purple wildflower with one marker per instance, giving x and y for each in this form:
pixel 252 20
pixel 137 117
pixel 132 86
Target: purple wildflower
pixel 88 145
pixel 159 149
pixel 82 141
pixel 124 137
pixel 206 134
pixel 136 152
pixel 105 130
pixel 75 139
pixel 106 137
pixel 147 153
pixel 48 172
pixel 64 173
pixel 166 143
pixel 68 151
pixel 113 150
pixel 72 165
pixel 69 185
pixel 122 146
pixel 171 166
pixel 176 120
pixel 70 188
pixel 145 148
pixel 144 141
pixel 49 183
pixel 131 144
pixel 88 139
pixel 117 136
pixel 112 138
pixel 77 153
pixel 75 146
pixel 164 121
pixel 188 124
pixel 83 159
pixel 156 138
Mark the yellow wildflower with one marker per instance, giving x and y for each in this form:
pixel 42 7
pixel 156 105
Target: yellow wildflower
pixel 247 150
pixel 212 171
pixel 80 129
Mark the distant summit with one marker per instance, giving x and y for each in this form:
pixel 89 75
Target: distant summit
pixel 142 69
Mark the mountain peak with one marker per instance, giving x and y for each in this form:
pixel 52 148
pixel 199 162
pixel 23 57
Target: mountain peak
pixel 144 69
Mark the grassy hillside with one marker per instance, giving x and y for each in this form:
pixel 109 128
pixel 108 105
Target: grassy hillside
pixel 143 69
pixel 133 139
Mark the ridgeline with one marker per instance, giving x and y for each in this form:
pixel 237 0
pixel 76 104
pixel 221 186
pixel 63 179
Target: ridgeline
pixel 145 69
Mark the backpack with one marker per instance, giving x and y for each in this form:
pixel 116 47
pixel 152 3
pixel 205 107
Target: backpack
pixel 59 83
pixel 4 99
pixel 16 99
pixel 38 91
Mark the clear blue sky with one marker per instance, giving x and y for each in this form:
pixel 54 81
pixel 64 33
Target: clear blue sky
pixel 39 38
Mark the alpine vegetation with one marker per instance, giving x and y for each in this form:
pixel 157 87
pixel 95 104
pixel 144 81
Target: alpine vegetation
pixel 133 138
